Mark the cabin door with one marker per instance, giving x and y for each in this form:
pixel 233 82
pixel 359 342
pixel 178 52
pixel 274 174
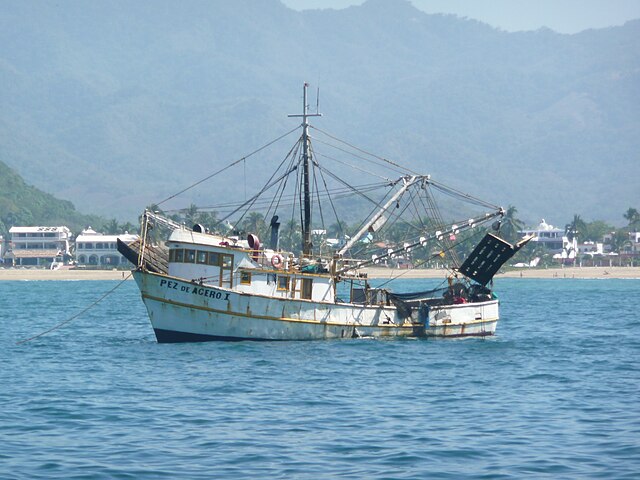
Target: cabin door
pixel 307 288
pixel 226 271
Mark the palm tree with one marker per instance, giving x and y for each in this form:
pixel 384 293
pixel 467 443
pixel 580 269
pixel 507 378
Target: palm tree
pixel 128 227
pixel 619 239
pixel 191 215
pixel 633 217
pixel 254 223
pixel 596 230
pixel 576 229
pixel 208 219
pixel 291 238
pixel 112 228
pixel 337 230
pixel 511 225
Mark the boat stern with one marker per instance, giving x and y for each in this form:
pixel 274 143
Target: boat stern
pixel 464 320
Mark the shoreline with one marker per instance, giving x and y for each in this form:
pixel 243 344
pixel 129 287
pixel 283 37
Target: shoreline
pixel 20 274
pixel 24 274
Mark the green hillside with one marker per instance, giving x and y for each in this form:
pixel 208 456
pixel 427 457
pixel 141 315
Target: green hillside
pixel 25 205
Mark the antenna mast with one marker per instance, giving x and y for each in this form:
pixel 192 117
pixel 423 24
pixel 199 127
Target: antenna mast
pixel 306 222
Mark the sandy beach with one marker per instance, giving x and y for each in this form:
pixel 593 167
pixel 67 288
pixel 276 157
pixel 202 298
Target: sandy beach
pixel 18 274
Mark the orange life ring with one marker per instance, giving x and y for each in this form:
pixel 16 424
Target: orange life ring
pixel 276 261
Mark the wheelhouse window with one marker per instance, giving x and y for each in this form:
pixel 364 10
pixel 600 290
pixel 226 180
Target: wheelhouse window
pixel 214 259
pixel 283 282
pixel 245 278
pixel 202 257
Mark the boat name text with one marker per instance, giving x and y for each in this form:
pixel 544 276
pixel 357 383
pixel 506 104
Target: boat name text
pixel 195 290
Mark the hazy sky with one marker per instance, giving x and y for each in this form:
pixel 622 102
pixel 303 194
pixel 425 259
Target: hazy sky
pixel 565 16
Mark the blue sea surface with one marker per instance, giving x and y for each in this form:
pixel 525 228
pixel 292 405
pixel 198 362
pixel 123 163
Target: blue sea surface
pixel 555 394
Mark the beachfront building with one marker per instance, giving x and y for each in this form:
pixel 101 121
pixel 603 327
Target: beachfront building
pixel 553 239
pixel 591 248
pixel 634 239
pixel 630 248
pixel 38 246
pixel 93 248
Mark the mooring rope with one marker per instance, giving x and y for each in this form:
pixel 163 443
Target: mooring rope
pixel 69 320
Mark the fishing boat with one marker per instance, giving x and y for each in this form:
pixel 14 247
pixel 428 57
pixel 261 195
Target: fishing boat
pixel 218 282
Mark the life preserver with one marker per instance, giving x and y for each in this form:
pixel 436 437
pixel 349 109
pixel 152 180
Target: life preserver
pixel 276 261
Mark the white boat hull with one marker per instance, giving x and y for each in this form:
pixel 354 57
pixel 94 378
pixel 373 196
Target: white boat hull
pixel 182 311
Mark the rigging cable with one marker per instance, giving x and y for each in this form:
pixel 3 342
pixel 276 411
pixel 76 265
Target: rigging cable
pixel 352 188
pixel 314 163
pixel 361 158
pixel 405 169
pixel 281 179
pixel 277 198
pixel 437 216
pixel 393 219
pixel 253 199
pixel 440 186
pixel 228 166
pixel 456 193
pixel 336 193
pixel 333 207
pixel 267 186
pixel 431 257
pixel 69 320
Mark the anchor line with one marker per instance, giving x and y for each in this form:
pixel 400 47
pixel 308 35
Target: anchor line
pixel 69 320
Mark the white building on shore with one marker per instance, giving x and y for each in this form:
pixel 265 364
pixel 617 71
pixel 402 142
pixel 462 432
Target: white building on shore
pixel 554 240
pixel 591 248
pixel 38 246
pixel 93 248
pixel 547 235
pixel 634 238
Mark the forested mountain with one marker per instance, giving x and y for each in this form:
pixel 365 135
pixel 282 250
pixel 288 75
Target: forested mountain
pixel 115 105
pixel 22 204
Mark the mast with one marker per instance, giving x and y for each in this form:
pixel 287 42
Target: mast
pixel 306 221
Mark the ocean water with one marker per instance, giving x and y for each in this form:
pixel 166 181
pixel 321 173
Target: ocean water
pixel 555 394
